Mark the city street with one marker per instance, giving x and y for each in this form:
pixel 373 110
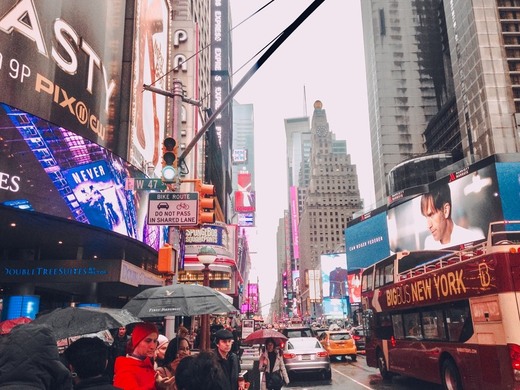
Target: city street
pixel 357 376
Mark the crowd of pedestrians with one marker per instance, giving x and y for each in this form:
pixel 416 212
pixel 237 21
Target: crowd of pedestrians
pixel 143 360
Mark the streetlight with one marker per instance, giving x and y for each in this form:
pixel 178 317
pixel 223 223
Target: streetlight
pixel 207 255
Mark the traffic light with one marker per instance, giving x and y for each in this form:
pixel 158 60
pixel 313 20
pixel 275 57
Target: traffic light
pixel 206 202
pixel 169 161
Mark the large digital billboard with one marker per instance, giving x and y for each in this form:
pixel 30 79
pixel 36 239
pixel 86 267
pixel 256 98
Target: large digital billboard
pixel 48 169
pixel 334 282
pixel 61 60
pixel 150 67
pixel 367 240
pixel 454 211
pixel 451 212
pixel 508 174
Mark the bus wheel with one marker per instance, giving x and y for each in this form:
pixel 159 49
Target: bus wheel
pixel 381 364
pixel 450 376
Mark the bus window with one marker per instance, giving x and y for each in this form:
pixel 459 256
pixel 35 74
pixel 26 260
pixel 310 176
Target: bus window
pixel 379 278
pixel 384 275
pixel 458 319
pixel 389 273
pixel 384 326
pixel 367 279
pixel 397 323
pixel 433 325
pixel 412 325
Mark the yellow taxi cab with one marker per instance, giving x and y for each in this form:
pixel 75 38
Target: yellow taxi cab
pixel 339 343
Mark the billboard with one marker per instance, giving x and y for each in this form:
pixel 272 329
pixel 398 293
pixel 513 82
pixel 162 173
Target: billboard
pixel 221 237
pixel 295 221
pixel 508 174
pixel 367 240
pixel 61 60
pixel 334 282
pixel 467 201
pixel 151 53
pixel 456 210
pixel 53 171
pixel 245 196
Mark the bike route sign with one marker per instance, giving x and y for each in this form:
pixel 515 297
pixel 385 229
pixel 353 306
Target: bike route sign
pixel 173 208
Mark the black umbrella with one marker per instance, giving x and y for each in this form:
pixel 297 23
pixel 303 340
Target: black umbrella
pixel 178 300
pixel 76 321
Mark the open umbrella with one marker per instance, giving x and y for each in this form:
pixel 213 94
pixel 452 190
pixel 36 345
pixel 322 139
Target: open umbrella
pixel 7 325
pixel 178 300
pixel 261 335
pixel 76 321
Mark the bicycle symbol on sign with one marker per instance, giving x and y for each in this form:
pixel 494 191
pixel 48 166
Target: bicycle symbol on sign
pixel 182 206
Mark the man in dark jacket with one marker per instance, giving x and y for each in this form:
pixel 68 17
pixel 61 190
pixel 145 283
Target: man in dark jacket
pixel 87 358
pixel 29 359
pixel 228 360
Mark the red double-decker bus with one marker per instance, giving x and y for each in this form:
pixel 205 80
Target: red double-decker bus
pixel 448 317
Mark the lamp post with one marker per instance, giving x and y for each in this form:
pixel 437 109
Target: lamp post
pixel 207 255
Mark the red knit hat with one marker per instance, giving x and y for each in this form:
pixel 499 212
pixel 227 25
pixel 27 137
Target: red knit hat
pixel 141 330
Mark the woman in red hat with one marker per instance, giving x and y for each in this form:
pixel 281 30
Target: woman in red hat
pixel 135 371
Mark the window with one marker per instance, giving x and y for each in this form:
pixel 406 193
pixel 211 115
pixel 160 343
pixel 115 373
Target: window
pixel 433 325
pixel 397 324
pixel 412 325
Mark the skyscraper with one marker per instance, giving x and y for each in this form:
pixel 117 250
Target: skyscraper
pixel 332 197
pixel 442 77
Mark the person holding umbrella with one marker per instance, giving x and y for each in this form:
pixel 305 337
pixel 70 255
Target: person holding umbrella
pixel 271 362
pixel 135 371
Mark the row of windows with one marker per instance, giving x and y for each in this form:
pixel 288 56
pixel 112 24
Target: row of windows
pixel 448 322
pixel 326 239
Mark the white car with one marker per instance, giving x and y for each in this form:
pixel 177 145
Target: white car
pixel 306 355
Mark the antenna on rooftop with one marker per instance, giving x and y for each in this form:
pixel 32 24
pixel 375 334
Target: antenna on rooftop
pixel 304 102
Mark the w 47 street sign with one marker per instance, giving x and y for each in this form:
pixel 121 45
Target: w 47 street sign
pixel 133 184
pixel 173 208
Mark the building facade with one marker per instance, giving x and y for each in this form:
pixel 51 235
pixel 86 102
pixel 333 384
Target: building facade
pixel 332 199
pixel 441 77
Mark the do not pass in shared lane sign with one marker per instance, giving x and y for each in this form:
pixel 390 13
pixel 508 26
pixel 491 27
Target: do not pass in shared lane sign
pixel 173 208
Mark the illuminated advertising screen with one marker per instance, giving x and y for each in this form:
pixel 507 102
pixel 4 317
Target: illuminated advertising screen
pixel 457 210
pixel 61 60
pixel 367 240
pixel 16 306
pixel 150 65
pixel 51 170
pixel 334 282
pixel 508 174
pixel 354 286
pixel 245 200
pixel 296 292
pixel 295 220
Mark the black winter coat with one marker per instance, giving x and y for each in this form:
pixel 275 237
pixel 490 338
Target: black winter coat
pixel 232 375
pixel 29 359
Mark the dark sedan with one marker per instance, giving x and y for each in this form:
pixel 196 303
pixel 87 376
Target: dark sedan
pixel 358 334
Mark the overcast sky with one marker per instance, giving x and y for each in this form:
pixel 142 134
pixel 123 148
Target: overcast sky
pixel 325 58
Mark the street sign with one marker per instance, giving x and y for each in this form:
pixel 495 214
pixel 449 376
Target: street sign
pixel 132 184
pixel 173 208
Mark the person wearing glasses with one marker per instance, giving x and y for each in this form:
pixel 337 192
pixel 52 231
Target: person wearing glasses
pixel 178 349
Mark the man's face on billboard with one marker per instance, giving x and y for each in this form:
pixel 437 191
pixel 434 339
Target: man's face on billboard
pixel 437 222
